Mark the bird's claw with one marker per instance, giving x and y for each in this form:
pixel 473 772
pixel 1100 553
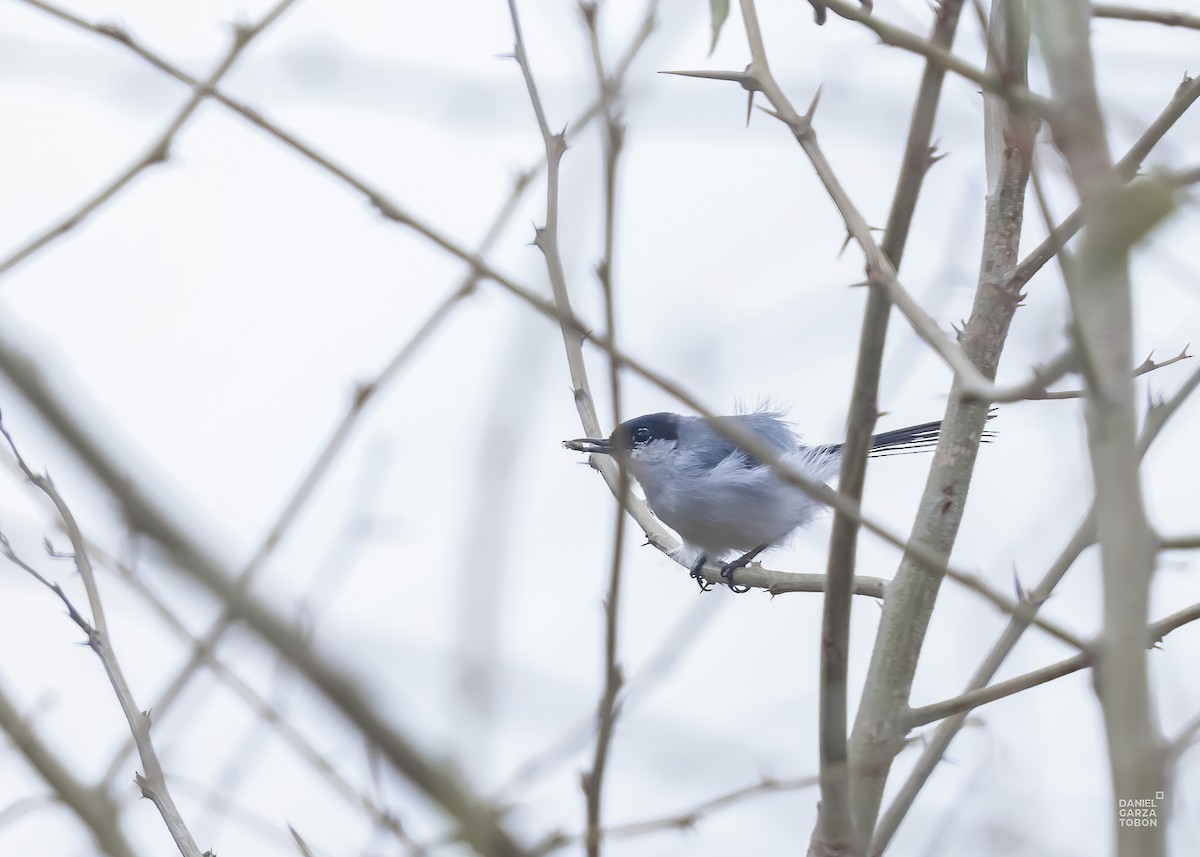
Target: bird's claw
pixel 697 574
pixel 727 571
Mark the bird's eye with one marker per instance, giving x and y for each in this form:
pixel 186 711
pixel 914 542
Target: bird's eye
pixel 642 436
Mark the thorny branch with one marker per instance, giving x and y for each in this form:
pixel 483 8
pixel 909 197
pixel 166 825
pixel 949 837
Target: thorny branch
pixel 92 807
pixel 592 781
pixel 152 783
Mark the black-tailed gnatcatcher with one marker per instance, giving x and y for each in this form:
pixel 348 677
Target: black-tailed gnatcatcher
pixel 718 497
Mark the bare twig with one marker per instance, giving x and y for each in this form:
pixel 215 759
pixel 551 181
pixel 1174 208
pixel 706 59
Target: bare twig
pixel 92 807
pixel 1146 366
pixel 1151 16
pixel 1179 543
pixel 1185 95
pixel 159 150
pixel 686 820
pixel 592 781
pixel 152 782
pixel 263 708
pixel 1017 95
pixel 974 698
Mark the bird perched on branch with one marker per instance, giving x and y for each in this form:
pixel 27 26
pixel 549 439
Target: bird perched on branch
pixel 720 498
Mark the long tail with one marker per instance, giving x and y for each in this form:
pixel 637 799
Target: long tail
pixel 920 438
pixel 911 439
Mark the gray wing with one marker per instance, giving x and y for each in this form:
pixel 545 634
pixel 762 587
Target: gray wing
pixel 714 447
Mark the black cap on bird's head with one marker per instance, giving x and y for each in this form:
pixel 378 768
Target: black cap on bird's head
pixel 630 435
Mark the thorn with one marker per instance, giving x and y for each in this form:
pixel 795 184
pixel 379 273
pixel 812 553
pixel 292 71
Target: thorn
pixel 812 108
pixel 506 56
pixel 118 33
pixel 749 107
pixel 1022 593
pixel 860 284
pixel 845 243
pixel 242 33
pixel 933 156
pixel 1187 79
pixel 159 154
pixel 538 232
pixel 743 78
pixel 558 143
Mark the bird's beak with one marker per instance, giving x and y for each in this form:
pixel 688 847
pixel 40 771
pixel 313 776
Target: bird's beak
pixel 596 446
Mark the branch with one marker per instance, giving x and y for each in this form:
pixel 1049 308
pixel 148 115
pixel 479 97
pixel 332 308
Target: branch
pixel 1150 16
pixel 1179 543
pixel 160 149
pixel 263 708
pixel 152 783
pixel 686 820
pixel 878 728
pixel 1185 95
pixel 1101 306
pixel 835 822
pixel 1041 377
pixel 974 698
pixel 1146 366
pixel 1017 95
pixel 92 807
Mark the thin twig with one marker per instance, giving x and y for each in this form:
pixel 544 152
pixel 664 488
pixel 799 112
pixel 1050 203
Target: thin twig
pixel 592 781
pixel 1127 168
pixel 91 806
pixel 974 698
pixel 1017 95
pixel 160 149
pixel 262 707
pixel 152 782
pixel 1179 543
pixel 686 820
pixel 1146 366
pixel 1151 16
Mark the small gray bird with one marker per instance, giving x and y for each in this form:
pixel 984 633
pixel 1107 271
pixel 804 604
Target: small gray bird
pixel 720 498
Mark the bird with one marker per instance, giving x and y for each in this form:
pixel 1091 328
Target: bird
pixel 721 499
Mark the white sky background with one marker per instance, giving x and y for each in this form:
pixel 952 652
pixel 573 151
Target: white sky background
pixel 212 323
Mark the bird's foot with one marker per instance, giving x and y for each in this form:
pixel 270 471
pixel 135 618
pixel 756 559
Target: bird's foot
pixel 727 571
pixel 697 573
